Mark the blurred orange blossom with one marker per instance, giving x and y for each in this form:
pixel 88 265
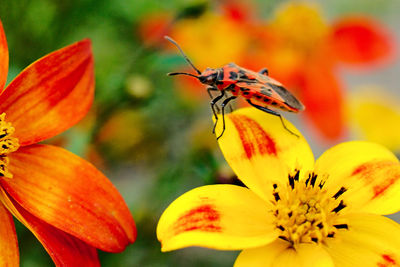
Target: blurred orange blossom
pixel 298 46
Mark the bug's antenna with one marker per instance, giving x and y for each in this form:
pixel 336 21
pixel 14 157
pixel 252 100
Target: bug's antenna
pixel 183 54
pixel 180 73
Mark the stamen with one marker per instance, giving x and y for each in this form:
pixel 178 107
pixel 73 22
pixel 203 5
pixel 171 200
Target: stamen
pixel 296 176
pixel 321 184
pixel 340 192
pixel 313 179
pixel 291 182
pixel 341 226
pixel 304 213
pixel 8 144
pixel 339 207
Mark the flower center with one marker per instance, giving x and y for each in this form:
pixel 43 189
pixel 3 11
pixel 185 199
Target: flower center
pixel 305 213
pixel 8 144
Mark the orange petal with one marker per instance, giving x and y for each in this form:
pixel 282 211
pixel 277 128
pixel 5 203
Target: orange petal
pixel 64 249
pixel 8 239
pixel 69 193
pixel 50 95
pixel 3 57
pixel 321 94
pixel 357 40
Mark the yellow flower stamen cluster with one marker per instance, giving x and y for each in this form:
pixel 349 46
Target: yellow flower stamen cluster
pixel 305 213
pixel 8 144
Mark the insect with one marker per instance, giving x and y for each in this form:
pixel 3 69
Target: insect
pixel 259 90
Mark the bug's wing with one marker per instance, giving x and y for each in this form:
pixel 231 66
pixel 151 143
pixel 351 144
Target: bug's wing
pixel 274 91
pixel 289 99
pixel 268 87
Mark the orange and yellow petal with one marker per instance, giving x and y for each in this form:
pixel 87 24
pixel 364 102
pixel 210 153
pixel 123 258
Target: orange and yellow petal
pixel 64 249
pixel 9 255
pixel 372 240
pixel 280 253
pixel 360 40
pixel 218 217
pixel 3 57
pixel 261 151
pixel 369 172
pixel 50 95
pixel 70 194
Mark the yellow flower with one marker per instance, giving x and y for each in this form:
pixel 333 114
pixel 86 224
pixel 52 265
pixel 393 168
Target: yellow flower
pixel 206 48
pixel 369 104
pixel 294 211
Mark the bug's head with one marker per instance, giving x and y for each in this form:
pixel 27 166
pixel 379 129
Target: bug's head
pixel 209 76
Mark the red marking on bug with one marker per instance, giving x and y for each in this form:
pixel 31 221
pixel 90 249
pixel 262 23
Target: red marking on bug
pixel 370 170
pixel 204 218
pixel 388 261
pixel 254 138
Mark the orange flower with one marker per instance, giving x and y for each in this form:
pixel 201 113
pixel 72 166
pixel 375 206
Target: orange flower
pixel 302 51
pixel 70 206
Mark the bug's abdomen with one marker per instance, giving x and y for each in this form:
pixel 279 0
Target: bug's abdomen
pixel 270 102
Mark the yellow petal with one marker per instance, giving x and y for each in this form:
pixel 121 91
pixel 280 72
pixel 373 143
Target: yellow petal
pixel 370 104
pixel 225 217
pixel 262 256
pixel 281 254
pixel 306 255
pixel 369 172
pixel 261 151
pixel 372 240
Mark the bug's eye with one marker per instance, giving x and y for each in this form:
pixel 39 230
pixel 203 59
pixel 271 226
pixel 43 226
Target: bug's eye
pixel 210 78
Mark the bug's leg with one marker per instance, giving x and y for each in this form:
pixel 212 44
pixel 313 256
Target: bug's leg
pixel 211 88
pixel 264 71
pixel 273 113
pixel 212 103
pixel 223 105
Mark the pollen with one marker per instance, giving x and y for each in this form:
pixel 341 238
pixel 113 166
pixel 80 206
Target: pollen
pixel 304 212
pixel 8 144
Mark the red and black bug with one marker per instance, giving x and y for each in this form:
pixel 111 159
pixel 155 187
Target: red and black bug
pixel 259 90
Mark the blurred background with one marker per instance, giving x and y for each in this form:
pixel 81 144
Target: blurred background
pixel 151 134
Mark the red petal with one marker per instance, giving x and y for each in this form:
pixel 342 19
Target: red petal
pixel 153 27
pixel 69 193
pixel 64 249
pixel 3 57
pixel 358 40
pixel 50 95
pixel 238 11
pixel 8 239
pixel 322 96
